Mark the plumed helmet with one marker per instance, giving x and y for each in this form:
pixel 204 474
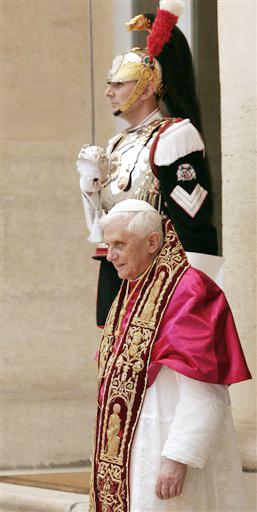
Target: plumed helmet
pixel 167 61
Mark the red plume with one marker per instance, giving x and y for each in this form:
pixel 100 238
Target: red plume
pixel 161 32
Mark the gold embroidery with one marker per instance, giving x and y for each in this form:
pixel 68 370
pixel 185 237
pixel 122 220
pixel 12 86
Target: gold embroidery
pixel 107 340
pixel 135 341
pixel 126 377
pixel 124 380
pixel 110 487
pixel 149 307
pixel 111 317
pixel 127 298
pixel 113 442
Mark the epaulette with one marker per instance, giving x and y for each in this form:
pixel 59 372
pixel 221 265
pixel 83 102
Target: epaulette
pixel 174 141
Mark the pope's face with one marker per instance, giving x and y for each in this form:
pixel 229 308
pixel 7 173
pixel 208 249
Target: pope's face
pixel 130 255
pixel 118 93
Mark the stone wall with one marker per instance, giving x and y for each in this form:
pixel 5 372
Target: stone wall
pixel 237 52
pixel 49 278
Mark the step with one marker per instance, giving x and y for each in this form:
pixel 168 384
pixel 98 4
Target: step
pixel 72 480
pixel 19 498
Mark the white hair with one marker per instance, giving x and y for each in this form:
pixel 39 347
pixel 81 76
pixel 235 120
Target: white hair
pixel 141 223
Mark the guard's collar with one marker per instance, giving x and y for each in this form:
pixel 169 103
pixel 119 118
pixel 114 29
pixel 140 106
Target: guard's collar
pixel 156 114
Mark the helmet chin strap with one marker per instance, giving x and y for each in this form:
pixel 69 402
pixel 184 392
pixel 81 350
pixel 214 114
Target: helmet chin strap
pixel 117 113
pixel 146 76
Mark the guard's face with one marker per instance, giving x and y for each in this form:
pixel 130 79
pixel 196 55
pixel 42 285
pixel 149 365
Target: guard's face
pixel 129 254
pixel 118 93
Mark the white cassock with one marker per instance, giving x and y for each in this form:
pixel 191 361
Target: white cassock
pixel 191 422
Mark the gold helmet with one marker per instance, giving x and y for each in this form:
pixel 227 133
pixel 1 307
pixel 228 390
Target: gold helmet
pixel 135 65
pixel 141 65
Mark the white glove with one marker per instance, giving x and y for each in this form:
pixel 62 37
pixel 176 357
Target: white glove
pixel 89 176
pixel 92 165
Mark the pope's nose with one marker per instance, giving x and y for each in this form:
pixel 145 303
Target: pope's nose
pixel 111 254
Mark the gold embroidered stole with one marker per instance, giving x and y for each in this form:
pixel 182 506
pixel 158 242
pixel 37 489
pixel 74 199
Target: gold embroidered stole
pixel 124 374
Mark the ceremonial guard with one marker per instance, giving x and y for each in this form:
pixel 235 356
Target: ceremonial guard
pixel 160 158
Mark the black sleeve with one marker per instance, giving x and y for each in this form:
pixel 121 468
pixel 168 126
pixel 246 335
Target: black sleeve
pixel 187 201
pixel 108 286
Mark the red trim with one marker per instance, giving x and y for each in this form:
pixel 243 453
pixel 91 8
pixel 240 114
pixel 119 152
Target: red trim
pixel 100 253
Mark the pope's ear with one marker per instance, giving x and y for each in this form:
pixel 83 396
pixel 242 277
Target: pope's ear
pixel 154 240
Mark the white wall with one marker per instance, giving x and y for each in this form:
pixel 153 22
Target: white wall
pixel 237 52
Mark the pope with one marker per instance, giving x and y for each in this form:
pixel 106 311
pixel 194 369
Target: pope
pixel 164 435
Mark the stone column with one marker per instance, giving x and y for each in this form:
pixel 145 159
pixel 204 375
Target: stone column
pixel 237 53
